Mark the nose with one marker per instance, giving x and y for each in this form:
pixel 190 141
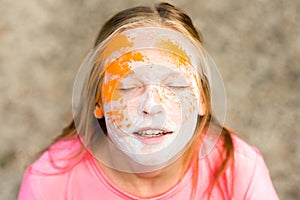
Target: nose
pixel 151 101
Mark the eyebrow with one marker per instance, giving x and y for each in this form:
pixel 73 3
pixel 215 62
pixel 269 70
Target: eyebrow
pixel 167 76
pixel 171 75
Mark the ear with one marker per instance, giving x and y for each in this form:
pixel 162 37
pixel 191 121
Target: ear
pixel 201 106
pixel 98 111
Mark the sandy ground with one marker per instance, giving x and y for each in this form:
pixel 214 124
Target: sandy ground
pixel 255 44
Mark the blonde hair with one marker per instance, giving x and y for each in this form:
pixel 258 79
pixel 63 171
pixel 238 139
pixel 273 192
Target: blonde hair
pixel 165 15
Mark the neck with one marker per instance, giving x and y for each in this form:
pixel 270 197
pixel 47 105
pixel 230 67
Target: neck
pixel 147 184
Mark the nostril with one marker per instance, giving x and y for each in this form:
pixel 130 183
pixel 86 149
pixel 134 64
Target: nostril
pixel 153 110
pixel 145 112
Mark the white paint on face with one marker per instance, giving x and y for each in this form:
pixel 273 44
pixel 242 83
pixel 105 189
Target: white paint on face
pixel 154 97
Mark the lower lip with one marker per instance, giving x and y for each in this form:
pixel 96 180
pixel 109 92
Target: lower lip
pixel 151 140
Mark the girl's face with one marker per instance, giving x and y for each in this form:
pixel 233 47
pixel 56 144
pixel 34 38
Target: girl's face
pixel 151 104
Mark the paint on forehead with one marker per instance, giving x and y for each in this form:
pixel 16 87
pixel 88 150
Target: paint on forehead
pixel 175 48
pixel 179 57
pixel 117 43
pixel 117 70
pixel 185 69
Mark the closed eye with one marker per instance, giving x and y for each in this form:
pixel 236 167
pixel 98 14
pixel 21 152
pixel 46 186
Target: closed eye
pixel 177 86
pixel 126 89
pixel 129 88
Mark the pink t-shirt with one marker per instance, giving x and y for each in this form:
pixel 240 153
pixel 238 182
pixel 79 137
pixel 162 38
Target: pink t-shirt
pixel 53 176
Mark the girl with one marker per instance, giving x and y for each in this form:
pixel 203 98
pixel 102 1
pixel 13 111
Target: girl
pixel 148 107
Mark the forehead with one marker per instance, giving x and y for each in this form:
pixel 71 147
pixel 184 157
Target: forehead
pixel 153 63
pixel 157 38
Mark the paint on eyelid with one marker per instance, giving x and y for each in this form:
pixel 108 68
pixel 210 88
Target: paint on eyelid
pixel 118 69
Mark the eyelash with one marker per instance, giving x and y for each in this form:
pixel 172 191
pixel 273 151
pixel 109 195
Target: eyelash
pixel 177 87
pixel 130 88
pixel 174 87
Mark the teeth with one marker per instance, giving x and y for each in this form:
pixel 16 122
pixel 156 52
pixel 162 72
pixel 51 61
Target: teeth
pixel 151 133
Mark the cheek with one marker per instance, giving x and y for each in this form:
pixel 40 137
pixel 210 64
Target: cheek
pixel 189 105
pixel 174 107
pixel 115 114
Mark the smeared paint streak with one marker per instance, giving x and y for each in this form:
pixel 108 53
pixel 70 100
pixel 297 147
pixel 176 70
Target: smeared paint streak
pixel 117 43
pixel 197 81
pixel 118 69
pixel 175 48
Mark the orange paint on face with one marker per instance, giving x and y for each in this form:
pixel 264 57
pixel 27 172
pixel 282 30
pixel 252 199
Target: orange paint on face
pixel 117 43
pixel 117 116
pixel 179 58
pixel 197 81
pixel 182 57
pixel 117 70
pixel 119 126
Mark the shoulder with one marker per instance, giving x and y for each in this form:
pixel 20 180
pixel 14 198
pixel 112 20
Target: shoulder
pixel 243 153
pixel 59 157
pixel 48 176
pixel 244 160
pixel 246 157
pixel 244 150
pixel 251 175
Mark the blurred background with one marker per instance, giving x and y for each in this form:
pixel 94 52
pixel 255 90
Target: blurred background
pixel 255 44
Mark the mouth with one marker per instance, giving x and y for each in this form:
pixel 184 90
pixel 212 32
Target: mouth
pixel 152 133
